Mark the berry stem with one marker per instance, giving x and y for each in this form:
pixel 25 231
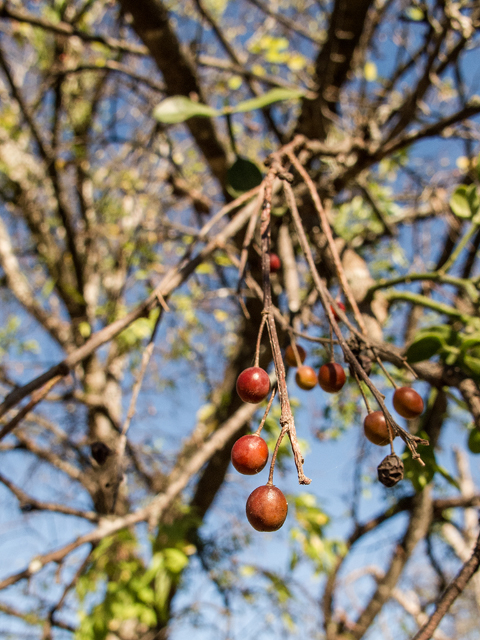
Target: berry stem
pixel 274 454
pixel 332 355
pixel 364 396
pixel 267 410
pixel 259 340
pixel 382 366
pixel 295 351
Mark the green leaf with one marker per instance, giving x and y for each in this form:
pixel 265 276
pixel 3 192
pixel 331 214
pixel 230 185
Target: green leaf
pixel 459 203
pixel 274 95
pixel 180 108
pixel 473 441
pixel 470 342
pixel 175 560
pixel 244 175
pixel 473 364
pixel 424 348
pixel 420 476
pixel 465 201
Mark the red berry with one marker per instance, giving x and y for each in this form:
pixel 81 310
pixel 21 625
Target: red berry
pixel 341 306
pixel 331 377
pixel 306 378
pixel 266 508
pixel 249 454
pixel 407 402
pixel 253 385
pixel 275 263
pixel 290 355
pixel 376 428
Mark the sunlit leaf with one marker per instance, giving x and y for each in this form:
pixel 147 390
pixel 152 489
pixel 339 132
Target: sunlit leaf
pixel 370 71
pixel 274 95
pixel 180 108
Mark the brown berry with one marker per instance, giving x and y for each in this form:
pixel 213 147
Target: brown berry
pixel 266 508
pixel 390 470
pixel 249 454
pixel 376 429
pixel 290 355
pixel 306 378
pixel 275 263
pixel 253 385
pixel 407 402
pixel 331 377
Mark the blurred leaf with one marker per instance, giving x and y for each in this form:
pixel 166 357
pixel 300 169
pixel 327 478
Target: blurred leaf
pixel 414 13
pixel 473 441
pixel 459 203
pixel 244 175
pixel 274 95
pixel 180 108
pixel 420 476
pixel 175 560
pixel 473 364
pixel 424 348
pixel 370 71
pixel 465 201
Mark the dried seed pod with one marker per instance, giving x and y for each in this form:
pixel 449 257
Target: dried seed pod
pixel 390 470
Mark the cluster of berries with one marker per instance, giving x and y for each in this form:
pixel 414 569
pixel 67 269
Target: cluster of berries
pixel 267 506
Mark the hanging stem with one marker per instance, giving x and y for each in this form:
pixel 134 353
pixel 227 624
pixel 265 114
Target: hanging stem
pixel 287 422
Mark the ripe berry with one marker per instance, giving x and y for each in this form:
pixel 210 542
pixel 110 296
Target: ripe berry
pixel 306 378
pixel 253 385
pixel 266 508
pixel 376 429
pixel 249 454
pixel 407 402
pixel 275 263
pixel 331 377
pixel 290 355
pixel 341 306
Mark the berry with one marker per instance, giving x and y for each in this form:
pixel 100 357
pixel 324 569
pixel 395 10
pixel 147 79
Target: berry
pixel 275 263
pixel 331 377
pixel 390 470
pixel 253 385
pixel 290 355
pixel 266 508
pixel 407 402
pixel 306 378
pixel 249 454
pixel 341 306
pixel 376 429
